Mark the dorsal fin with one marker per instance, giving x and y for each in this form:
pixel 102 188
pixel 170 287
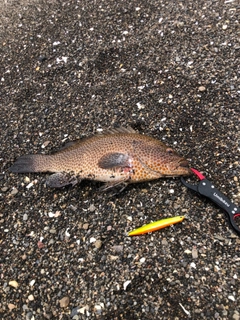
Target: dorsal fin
pixel 119 130
pixel 72 144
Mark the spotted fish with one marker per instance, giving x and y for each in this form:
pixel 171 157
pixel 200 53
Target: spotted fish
pixel 119 156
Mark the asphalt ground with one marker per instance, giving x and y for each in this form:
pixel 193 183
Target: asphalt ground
pixel 72 68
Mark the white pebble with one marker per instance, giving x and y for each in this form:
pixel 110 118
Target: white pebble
pixel 51 214
pixel 13 283
pixel 29 185
pixel 231 298
pixel 140 106
pixel 67 234
pixel 83 309
pixel 142 260
pixel 45 144
pixel 126 283
pixel 30 297
pixel 32 282
pixel 201 88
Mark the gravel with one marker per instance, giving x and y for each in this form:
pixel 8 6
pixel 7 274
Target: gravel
pixel 70 69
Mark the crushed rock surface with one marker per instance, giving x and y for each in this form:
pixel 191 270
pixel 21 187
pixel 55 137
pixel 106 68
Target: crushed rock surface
pixel 72 68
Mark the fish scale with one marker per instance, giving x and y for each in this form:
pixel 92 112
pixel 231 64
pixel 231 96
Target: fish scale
pixel 120 155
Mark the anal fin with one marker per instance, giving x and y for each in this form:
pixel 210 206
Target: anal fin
pixel 61 179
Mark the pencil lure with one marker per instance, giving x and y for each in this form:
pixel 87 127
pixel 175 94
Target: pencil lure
pixel 156 225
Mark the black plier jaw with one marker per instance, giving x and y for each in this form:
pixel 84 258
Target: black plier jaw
pixel 207 189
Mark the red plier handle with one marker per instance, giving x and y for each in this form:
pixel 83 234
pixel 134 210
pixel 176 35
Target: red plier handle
pixel 207 189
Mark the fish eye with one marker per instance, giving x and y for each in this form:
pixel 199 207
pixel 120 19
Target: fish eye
pixel 169 150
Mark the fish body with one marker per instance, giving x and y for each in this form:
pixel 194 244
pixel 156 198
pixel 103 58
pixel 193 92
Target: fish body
pixel 156 225
pixel 120 155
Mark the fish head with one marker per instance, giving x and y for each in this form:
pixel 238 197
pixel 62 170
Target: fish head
pixel 171 164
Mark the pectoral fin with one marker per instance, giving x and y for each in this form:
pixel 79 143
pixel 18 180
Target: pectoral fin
pixel 61 179
pixel 114 161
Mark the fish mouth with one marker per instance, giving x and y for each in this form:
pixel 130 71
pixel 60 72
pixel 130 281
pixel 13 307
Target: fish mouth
pixel 184 166
pixel 184 163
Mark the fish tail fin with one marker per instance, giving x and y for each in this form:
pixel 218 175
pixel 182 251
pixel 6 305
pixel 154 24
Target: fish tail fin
pixel 31 163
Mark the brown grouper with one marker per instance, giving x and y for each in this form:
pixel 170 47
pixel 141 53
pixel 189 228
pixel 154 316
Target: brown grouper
pixel 115 157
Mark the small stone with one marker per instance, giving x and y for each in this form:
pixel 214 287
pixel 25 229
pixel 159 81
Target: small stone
pixel 194 253
pixel 30 185
pixel 25 217
pixel 30 316
pixel 13 283
pixel 224 27
pixel 24 307
pixel 42 59
pixel 118 248
pixel 231 298
pixel 126 283
pixel 85 226
pixel 235 179
pixel 74 312
pixel 30 297
pixel 84 309
pixel 40 244
pixel 91 240
pixel 14 191
pixel 26 180
pixel 11 306
pixel 236 315
pixel 4 189
pixel 45 144
pixel 98 309
pixel 113 258
pixel 64 302
pixel 50 214
pixel 92 208
pixel 164 242
pixel 201 88
pixel 98 244
pixel 32 283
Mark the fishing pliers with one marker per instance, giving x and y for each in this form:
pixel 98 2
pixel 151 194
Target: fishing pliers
pixel 207 189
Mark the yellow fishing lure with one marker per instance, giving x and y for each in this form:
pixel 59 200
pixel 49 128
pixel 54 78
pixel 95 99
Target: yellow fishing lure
pixel 156 225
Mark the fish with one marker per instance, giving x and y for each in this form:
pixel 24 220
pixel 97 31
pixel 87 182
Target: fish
pixel 156 225
pixel 117 156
